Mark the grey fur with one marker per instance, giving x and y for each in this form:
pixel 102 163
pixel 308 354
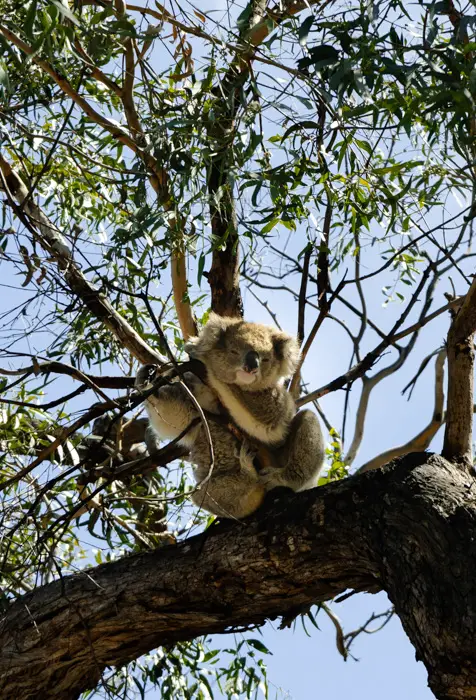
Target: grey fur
pixel 258 404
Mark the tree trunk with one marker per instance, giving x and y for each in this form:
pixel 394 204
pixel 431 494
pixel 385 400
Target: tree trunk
pixel 407 529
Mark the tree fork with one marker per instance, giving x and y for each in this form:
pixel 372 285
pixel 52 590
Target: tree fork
pixel 407 529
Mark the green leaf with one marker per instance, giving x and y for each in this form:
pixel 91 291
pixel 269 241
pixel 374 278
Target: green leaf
pixel 30 19
pixel 319 56
pixel 304 30
pixel 259 646
pixel 65 11
pixel 201 265
pixel 5 83
pixel 270 225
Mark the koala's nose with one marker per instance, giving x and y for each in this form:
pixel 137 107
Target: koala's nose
pixel 251 361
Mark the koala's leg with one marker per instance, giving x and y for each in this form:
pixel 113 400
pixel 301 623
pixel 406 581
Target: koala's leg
pixel 301 457
pixel 234 489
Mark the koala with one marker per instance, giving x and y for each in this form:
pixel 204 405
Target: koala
pixel 274 446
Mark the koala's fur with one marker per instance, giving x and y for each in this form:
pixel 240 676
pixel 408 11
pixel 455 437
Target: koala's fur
pixel 246 365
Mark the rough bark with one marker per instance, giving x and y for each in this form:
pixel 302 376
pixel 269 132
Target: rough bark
pixel 224 274
pixel 407 529
pixel 458 442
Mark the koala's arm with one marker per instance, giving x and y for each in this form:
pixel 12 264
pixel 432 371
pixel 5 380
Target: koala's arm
pixel 301 458
pixel 171 409
pixel 264 415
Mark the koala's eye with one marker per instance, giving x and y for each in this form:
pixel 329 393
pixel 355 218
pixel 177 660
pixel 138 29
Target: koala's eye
pixel 235 353
pixel 265 359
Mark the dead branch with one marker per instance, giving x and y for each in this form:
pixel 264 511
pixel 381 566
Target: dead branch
pixel 359 369
pixel 364 629
pixel 310 339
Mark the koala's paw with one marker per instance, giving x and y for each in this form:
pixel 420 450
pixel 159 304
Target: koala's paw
pixel 145 375
pixel 272 478
pixel 247 456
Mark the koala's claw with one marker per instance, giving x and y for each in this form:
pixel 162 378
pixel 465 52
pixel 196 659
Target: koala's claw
pixel 247 455
pixel 271 478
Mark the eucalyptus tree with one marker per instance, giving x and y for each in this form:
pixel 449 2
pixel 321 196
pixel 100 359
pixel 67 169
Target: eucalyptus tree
pixel 158 162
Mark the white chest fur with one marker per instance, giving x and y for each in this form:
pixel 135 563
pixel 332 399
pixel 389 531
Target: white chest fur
pixel 244 418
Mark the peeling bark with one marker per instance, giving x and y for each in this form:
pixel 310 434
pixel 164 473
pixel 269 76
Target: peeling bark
pixel 407 529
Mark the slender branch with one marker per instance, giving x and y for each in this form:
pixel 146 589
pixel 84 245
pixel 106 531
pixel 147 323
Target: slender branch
pixel 90 415
pixel 52 241
pixel 95 503
pixel 423 439
pixel 128 90
pixel 157 175
pixel 351 307
pixel 296 382
pixel 323 282
pixel 124 403
pixel 369 383
pixel 302 293
pixel 95 382
pixel 359 369
pixel 84 105
pixel 142 465
pixel 178 267
pixel 310 339
pixel 47 406
pixel 96 72
pixel 419 324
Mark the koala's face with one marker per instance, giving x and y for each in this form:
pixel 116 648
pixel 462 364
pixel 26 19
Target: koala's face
pixel 248 354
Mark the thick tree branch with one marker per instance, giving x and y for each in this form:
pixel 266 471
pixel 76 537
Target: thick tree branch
pixel 457 444
pixel 223 276
pixel 296 551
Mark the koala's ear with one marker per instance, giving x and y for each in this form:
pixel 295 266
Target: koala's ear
pixel 286 349
pixel 211 336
